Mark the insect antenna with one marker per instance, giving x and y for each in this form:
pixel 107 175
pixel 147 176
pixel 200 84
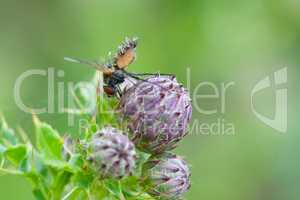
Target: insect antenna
pixel 152 74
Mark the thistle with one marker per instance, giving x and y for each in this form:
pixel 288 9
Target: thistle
pixel 106 163
pixel 157 111
pixel 166 177
pixel 113 154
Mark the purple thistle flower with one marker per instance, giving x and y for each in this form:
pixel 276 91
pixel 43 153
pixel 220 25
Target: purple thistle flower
pixel 166 177
pixel 157 112
pixel 113 153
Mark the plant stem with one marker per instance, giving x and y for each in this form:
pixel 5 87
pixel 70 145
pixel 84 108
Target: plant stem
pixel 59 185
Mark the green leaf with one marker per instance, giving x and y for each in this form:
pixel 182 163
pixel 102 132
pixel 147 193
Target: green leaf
pixel 7 135
pixel 49 143
pixel 58 165
pixel 40 181
pixel 90 130
pixel 76 194
pixel 39 165
pixel 83 180
pixel 62 179
pixel 76 162
pixel 114 188
pixel 73 166
pixel 38 194
pixel 16 154
pixel 106 111
pixel 140 163
pixel 2 149
pixel 25 165
pixel 86 97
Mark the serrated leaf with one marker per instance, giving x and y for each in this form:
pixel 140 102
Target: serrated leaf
pixel 16 154
pixel 49 142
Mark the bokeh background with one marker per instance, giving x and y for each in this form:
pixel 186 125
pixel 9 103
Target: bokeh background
pixel 220 41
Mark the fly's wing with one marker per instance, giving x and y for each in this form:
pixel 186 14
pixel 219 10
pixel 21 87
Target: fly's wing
pixel 95 65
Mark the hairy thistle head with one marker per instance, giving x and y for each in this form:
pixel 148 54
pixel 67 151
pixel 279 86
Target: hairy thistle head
pixel 166 176
pixel 157 112
pixel 113 154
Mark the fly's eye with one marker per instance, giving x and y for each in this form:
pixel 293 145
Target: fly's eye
pixel 109 90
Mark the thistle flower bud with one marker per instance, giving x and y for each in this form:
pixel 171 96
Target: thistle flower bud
pixel 113 154
pixel 166 177
pixel 157 111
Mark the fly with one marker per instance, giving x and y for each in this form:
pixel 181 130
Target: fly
pixel 114 71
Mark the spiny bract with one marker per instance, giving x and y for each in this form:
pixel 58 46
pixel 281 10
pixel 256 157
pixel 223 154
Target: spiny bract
pixel 166 176
pixel 113 153
pixel 157 111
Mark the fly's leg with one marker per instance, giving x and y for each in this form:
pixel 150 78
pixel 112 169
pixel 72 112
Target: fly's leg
pixel 144 80
pixel 151 74
pixel 119 91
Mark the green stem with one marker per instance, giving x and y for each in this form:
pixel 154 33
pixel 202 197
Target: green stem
pixel 70 193
pixel 59 185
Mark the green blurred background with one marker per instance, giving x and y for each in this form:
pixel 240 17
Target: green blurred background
pixel 220 41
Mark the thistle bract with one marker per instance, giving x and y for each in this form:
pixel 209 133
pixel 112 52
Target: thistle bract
pixel 113 154
pixel 157 111
pixel 166 177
